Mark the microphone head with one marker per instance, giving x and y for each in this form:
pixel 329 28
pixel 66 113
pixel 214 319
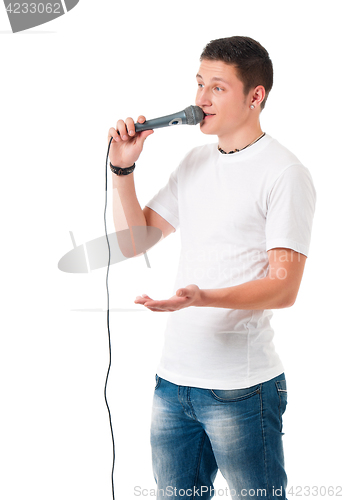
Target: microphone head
pixel 194 115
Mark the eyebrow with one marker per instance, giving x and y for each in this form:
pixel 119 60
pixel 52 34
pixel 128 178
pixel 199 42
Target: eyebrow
pixel 214 79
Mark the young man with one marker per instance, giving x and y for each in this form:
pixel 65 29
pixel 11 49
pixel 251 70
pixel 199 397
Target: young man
pixel 244 206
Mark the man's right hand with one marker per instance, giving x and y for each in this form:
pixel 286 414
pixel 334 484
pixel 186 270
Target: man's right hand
pixel 126 145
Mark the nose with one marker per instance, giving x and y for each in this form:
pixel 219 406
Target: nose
pixel 202 98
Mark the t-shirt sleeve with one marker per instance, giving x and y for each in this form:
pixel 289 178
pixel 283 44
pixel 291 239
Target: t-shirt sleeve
pixel 165 202
pixel 291 206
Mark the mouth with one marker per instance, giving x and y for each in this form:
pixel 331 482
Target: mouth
pixel 207 115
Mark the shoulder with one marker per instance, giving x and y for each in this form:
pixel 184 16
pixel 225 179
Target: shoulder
pixel 279 155
pixel 283 163
pixel 289 178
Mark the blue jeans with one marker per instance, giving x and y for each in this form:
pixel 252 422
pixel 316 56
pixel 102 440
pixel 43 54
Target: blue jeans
pixel 195 432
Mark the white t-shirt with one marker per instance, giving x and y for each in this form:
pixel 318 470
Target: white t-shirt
pixel 231 209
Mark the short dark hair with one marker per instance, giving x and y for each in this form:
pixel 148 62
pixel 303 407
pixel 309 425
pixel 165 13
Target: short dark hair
pixel 251 60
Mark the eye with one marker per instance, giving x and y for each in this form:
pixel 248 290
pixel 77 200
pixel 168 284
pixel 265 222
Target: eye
pixel 200 85
pixel 219 89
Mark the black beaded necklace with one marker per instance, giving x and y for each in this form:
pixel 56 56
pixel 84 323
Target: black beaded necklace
pixel 237 150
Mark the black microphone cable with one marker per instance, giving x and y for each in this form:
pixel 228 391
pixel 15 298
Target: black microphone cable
pixel 191 116
pixel 108 323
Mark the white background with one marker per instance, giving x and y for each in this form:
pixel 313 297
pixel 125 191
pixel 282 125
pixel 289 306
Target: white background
pixel 63 85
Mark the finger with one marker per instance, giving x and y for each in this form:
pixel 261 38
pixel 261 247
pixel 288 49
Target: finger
pixel 159 310
pixel 122 130
pixel 162 305
pixel 129 122
pixel 142 300
pixel 144 296
pixel 141 119
pixel 146 133
pixel 112 133
pixel 152 306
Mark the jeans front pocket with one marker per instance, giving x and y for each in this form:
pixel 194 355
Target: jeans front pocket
pixel 233 395
pixel 157 381
pixel 281 386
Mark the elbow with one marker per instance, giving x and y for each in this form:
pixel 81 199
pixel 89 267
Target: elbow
pixel 132 241
pixel 287 300
pixel 136 240
pixel 286 304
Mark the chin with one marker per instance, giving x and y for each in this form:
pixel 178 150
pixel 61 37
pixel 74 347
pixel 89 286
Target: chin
pixel 208 131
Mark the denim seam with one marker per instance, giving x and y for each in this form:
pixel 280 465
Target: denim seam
pixel 199 464
pixel 191 406
pixel 264 443
pixel 247 326
pixel 185 408
pixel 280 404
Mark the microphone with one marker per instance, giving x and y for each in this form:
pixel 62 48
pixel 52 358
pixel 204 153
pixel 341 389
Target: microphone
pixel 189 116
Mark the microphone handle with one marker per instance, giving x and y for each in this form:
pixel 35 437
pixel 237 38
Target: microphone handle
pixel 164 121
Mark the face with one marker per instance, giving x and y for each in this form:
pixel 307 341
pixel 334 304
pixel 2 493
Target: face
pixel 221 96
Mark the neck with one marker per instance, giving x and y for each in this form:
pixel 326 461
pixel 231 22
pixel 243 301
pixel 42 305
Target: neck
pixel 240 139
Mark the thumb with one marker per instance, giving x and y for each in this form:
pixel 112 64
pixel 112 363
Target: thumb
pixel 143 135
pixel 180 292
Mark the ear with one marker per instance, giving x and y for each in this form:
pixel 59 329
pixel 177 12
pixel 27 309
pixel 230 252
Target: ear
pixel 258 96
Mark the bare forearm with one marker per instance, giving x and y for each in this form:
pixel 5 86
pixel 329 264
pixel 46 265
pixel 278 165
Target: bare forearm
pixel 277 290
pixel 264 293
pixel 127 211
pixel 125 149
